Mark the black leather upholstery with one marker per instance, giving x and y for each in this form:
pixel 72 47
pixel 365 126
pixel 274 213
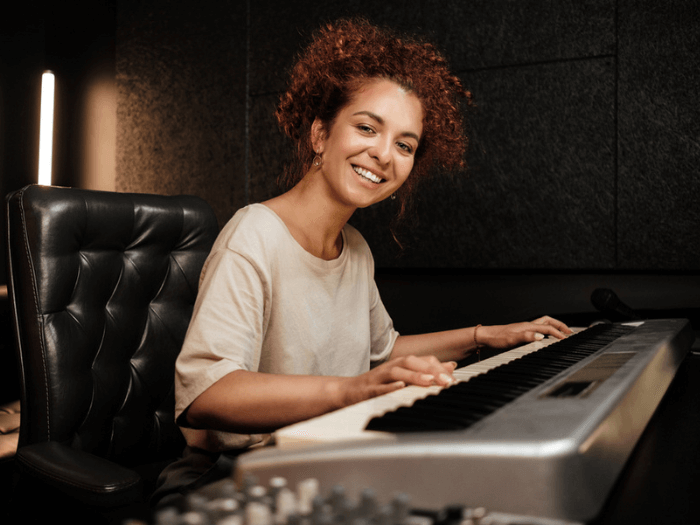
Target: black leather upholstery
pixel 102 287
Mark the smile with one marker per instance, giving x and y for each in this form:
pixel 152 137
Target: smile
pixel 366 174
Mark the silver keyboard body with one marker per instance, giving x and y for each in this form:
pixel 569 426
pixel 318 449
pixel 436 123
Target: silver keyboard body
pixel 543 455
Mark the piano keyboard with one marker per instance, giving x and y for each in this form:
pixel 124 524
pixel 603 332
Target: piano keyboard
pixel 350 423
pixel 460 406
pixel 551 455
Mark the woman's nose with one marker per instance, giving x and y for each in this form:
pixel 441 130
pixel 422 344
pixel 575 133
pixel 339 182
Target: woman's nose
pixel 381 151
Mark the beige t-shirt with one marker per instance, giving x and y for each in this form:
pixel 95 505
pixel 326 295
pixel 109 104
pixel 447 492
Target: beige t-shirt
pixel 265 304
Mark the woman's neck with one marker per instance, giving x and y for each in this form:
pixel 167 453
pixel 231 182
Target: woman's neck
pixel 313 218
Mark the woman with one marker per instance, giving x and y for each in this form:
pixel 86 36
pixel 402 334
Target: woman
pixel 288 323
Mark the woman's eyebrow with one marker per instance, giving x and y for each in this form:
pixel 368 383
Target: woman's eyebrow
pixel 371 115
pixel 380 120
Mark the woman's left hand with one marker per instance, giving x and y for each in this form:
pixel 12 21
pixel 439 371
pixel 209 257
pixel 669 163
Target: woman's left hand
pixel 511 335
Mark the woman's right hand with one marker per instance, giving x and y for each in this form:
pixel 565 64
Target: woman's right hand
pixel 396 374
pixel 253 402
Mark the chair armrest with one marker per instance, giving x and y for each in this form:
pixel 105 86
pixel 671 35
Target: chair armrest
pixel 90 479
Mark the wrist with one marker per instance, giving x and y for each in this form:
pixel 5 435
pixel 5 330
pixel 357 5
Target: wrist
pixel 336 393
pixel 482 337
pixel 477 344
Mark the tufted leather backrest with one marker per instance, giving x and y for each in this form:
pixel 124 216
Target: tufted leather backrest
pixel 102 287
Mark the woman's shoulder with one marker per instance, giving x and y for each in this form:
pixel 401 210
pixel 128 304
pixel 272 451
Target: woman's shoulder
pixel 254 225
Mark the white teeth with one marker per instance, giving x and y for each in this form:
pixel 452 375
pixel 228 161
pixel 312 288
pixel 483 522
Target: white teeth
pixel 367 174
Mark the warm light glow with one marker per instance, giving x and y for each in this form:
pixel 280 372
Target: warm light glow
pixel 46 129
pixel 99 134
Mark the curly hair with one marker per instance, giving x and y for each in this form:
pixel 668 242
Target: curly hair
pixel 340 58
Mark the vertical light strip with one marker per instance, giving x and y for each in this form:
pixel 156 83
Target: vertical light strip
pixel 46 129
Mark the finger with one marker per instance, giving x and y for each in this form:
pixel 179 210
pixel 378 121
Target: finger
pixel 431 369
pixel 443 373
pixel 536 335
pixel 376 390
pixel 386 388
pixel 419 378
pixel 422 363
pixel 537 332
pixel 556 323
pixel 562 327
pixel 545 319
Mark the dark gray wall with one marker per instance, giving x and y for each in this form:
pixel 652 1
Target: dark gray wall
pixel 584 151
pixel 21 61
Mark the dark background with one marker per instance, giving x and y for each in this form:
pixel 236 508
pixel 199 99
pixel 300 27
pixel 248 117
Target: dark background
pixel 585 141
pixel 583 166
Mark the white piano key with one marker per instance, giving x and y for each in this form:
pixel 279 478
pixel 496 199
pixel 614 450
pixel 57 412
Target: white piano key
pixel 349 423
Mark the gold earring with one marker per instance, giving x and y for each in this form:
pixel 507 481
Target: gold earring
pixel 318 160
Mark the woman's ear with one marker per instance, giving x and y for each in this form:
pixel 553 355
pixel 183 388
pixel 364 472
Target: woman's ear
pixel 318 135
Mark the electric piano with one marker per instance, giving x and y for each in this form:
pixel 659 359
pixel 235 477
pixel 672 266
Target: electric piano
pixel 535 435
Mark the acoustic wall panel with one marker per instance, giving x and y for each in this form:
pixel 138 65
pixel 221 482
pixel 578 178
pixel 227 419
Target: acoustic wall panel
pixel 181 75
pixel 659 135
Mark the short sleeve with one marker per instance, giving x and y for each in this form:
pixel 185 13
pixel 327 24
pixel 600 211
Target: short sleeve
pixel 227 326
pixel 382 332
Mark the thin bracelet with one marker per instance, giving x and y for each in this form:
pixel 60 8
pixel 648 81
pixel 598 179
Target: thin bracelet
pixel 476 344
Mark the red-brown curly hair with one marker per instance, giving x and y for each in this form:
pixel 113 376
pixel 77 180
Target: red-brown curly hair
pixel 345 54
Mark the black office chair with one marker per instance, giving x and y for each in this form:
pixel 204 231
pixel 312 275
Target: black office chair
pixel 102 287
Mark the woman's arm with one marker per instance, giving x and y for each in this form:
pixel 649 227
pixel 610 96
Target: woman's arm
pixel 254 402
pixel 453 345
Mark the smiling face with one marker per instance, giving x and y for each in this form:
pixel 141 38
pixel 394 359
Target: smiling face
pixel 369 151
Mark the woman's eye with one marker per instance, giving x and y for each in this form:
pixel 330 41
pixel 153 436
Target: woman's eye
pixel 366 129
pixel 406 147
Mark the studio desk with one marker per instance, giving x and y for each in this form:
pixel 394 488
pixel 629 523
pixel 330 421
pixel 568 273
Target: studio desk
pixel 601 428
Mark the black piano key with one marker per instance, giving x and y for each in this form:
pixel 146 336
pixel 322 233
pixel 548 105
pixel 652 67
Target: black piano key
pixel 464 401
pixel 400 422
pixel 440 414
pixel 455 403
pixel 498 386
pixel 541 369
pixel 468 402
